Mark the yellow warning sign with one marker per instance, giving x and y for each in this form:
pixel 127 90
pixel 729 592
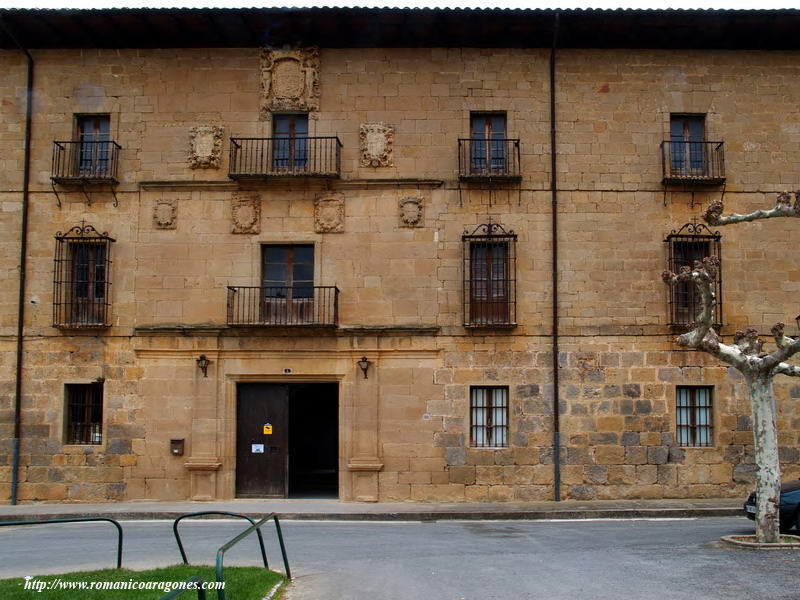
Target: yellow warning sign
pixel 268 429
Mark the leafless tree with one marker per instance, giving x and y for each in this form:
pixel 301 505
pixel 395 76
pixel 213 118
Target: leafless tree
pixel 746 355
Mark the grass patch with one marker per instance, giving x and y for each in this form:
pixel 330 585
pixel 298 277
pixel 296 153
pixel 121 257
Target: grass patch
pixel 241 583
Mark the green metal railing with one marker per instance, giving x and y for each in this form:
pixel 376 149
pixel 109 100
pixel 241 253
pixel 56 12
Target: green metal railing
pixel 254 526
pixel 75 520
pixel 201 593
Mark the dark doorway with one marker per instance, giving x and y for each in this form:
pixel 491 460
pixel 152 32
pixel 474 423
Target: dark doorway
pixel 287 440
pixel 313 440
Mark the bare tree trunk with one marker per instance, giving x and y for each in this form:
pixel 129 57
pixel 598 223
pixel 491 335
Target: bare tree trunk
pixel 768 474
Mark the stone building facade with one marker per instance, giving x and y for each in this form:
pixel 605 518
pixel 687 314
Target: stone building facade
pixel 381 227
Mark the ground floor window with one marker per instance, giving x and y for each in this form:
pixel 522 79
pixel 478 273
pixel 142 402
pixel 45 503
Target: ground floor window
pixel 84 414
pixel 489 417
pixel 695 422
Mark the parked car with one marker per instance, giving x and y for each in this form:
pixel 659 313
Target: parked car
pixel 789 506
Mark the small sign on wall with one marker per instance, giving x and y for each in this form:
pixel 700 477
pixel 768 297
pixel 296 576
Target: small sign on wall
pixel 257 448
pixel 267 428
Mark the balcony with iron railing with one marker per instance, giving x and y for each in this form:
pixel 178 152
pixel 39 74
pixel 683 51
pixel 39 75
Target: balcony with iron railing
pixel 283 306
pixel 489 159
pixel 285 157
pixel 687 162
pixel 85 162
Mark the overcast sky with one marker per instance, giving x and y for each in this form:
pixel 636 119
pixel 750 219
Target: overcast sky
pixel 738 4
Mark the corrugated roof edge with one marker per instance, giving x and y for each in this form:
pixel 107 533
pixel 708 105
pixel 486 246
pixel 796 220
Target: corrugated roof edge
pixel 400 8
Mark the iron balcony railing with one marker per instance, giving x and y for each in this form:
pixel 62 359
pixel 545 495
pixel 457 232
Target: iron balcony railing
pixel 489 158
pixel 85 162
pixel 285 157
pixel 283 306
pixel 693 162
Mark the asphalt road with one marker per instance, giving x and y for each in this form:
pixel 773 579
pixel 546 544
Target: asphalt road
pixel 592 560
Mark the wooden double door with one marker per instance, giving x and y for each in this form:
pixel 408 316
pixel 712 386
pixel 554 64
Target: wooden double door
pixel 287 440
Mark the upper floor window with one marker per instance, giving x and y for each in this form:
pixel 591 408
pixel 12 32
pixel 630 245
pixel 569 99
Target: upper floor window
pixel 81 284
pixel 290 144
pixel 488 135
pixel 488 152
pixel 94 155
pixel 688 157
pixel 90 157
pixel 84 413
pixel 490 277
pixel 692 242
pixel 489 417
pixel 687 134
pixel 694 417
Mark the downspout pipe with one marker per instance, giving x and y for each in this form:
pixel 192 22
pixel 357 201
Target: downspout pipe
pixel 554 244
pixel 23 255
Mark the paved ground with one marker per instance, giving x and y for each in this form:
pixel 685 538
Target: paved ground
pixel 450 560
pixel 365 511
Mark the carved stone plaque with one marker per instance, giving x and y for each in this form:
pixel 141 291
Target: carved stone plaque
pixel 329 213
pixel 411 212
pixel 205 146
pixel 165 213
pixel 289 80
pixel 246 212
pixel 377 140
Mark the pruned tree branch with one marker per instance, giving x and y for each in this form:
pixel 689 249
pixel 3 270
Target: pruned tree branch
pixel 781 339
pixel 783 208
pixel 702 335
pixel 787 369
pixel 787 347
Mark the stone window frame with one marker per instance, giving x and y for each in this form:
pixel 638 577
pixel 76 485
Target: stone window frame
pixel 710 419
pixel 507 414
pixel 97 386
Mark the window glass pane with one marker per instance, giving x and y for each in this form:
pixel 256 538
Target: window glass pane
pixel 304 254
pixel 275 254
pixel 303 273
pixel 275 274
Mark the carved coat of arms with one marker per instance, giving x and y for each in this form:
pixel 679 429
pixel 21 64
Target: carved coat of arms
pixel 329 213
pixel 411 212
pixel 205 146
pixel 377 140
pixel 246 213
pixel 165 213
pixel 289 80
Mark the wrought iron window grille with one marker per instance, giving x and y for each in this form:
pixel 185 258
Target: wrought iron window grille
pixel 81 278
pixel 489 417
pixel 84 414
pixel 694 418
pixel 489 276
pixel 692 242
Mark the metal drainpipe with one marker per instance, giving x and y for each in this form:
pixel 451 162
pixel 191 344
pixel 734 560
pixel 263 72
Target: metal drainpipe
pixel 23 254
pixel 554 208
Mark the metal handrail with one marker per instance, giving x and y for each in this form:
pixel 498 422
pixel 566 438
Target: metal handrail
pixel 201 593
pixel 285 156
pixel 497 158
pixel 76 520
pixel 219 569
pixel 215 512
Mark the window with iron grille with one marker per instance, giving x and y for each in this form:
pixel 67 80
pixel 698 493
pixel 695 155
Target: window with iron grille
pixel 84 414
pixel 490 277
pixel 692 242
pixel 694 416
pixel 489 417
pixel 81 285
